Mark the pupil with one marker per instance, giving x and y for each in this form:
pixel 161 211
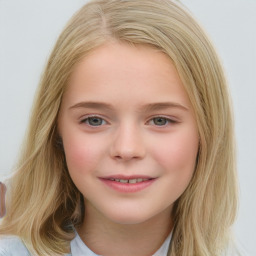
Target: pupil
pixel 160 121
pixel 95 121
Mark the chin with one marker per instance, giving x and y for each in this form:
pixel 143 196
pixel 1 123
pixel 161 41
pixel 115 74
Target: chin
pixel 128 217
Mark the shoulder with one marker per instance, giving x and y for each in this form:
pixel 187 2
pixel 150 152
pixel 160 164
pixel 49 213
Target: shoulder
pixel 12 246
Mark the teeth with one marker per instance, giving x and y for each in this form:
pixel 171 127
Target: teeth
pixel 131 181
pixel 124 181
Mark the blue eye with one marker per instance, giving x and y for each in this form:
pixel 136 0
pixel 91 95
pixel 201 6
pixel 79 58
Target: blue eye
pixel 161 121
pixel 94 121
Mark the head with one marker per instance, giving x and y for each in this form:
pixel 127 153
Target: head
pixel 165 26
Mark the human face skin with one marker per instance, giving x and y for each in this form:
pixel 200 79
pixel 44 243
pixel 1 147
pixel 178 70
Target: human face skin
pixel 126 115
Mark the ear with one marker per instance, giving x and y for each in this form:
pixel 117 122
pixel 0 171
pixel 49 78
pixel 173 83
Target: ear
pixel 59 142
pixel 57 135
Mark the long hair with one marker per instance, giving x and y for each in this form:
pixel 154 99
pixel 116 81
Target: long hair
pixel 43 203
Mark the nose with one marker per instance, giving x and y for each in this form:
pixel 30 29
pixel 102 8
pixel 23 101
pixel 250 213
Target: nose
pixel 128 143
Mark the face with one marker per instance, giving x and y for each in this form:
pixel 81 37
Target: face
pixel 129 132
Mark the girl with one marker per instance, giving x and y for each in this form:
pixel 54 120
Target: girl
pixel 130 148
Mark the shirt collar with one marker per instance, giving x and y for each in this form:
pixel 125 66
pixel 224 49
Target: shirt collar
pixel 79 248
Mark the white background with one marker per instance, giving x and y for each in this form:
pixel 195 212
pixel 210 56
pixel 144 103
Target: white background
pixel 29 29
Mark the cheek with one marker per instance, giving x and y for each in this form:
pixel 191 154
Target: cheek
pixel 176 160
pixel 178 153
pixel 81 154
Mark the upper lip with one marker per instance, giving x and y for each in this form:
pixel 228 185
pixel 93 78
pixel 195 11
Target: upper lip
pixel 126 177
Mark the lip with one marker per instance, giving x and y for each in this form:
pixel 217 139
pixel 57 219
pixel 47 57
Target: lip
pixel 127 187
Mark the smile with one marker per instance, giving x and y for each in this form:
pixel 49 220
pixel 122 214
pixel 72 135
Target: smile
pixel 123 184
pixel 131 181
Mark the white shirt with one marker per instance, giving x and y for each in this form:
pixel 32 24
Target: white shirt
pixel 79 248
pixel 13 246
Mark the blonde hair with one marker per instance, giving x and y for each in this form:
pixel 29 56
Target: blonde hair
pixel 44 203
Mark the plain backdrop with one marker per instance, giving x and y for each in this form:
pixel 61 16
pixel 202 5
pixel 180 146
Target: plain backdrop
pixel 29 29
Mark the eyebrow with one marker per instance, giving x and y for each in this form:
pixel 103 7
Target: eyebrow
pixel 92 104
pixel 164 105
pixel 147 108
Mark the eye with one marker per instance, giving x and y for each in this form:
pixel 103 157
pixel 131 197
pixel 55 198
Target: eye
pixel 94 121
pixel 161 121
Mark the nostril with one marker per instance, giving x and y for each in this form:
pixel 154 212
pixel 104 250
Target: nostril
pixel 127 155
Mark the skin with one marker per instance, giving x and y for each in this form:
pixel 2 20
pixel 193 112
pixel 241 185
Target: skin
pixel 148 129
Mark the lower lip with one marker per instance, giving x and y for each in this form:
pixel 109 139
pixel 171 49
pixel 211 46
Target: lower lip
pixel 128 187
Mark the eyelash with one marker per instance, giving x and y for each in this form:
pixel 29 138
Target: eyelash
pixel 87 119
pixel 167 121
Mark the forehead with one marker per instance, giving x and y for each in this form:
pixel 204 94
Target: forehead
pixel 122 71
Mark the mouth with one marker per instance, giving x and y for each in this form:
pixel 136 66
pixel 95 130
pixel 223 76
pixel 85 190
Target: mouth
pixel 130 184
pixel 130 181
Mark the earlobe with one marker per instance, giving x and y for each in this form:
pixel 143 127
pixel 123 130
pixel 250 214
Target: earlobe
pixel 58 137
pixel 58 141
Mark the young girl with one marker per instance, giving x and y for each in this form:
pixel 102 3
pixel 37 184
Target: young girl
pixel 130 148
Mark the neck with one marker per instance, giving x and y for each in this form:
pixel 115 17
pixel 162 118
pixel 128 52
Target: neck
pixel 105 237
